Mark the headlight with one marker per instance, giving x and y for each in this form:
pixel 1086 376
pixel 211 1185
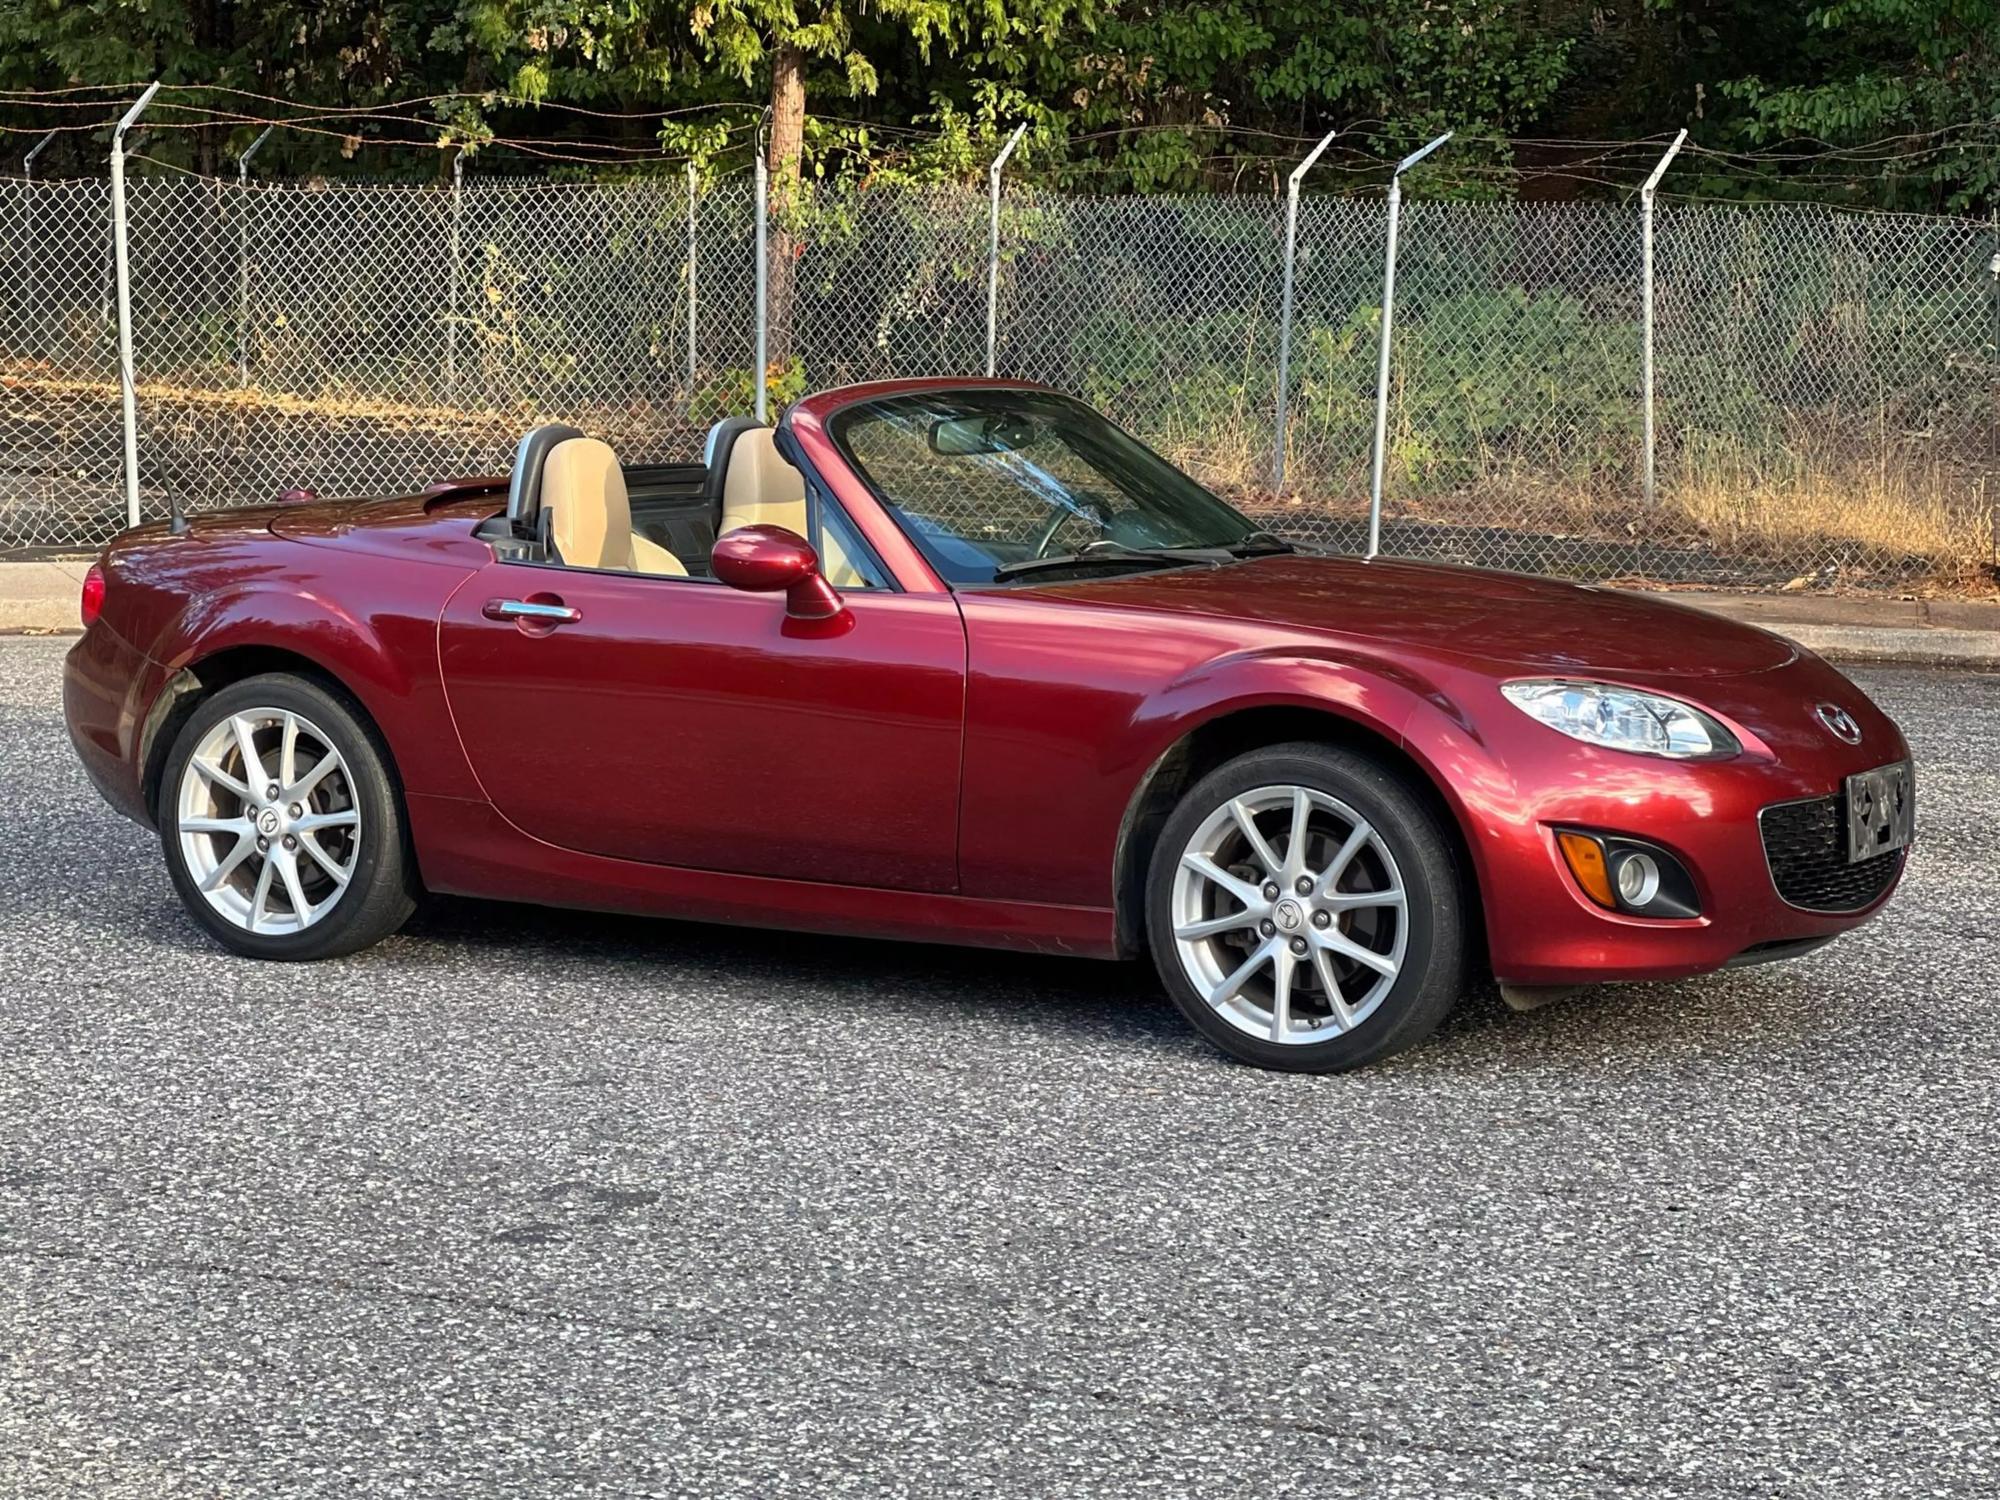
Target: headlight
pixel 1623 719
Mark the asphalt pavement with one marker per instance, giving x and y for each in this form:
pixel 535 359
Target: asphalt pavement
pixel 525 1203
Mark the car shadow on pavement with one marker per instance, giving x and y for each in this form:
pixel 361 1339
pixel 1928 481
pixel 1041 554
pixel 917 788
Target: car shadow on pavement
pixel 884 976
pixel 1119 1004
pixel 1122 1003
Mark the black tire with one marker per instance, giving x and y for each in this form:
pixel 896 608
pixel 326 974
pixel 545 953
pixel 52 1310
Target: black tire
pixel 381 888
pixel 1434 963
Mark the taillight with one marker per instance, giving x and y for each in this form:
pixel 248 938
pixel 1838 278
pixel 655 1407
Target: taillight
pixel 93 594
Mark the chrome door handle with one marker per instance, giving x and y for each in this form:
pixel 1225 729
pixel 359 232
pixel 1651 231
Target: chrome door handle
pixel 527 609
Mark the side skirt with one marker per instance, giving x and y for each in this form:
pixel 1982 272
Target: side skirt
pixel 466 848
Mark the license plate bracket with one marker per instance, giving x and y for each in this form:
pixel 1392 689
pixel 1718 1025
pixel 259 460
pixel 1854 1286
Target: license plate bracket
pixel 1881 811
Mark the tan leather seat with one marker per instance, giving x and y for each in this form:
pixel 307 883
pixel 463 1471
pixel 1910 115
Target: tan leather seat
pixel 590 516
pixel 762 489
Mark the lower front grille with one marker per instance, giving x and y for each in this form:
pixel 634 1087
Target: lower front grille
pixel 1806 845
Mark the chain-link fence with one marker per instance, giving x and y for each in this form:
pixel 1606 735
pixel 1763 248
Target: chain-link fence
pixel 1827 383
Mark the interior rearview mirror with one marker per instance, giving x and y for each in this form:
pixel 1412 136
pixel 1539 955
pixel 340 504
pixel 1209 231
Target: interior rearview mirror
pixel 955 437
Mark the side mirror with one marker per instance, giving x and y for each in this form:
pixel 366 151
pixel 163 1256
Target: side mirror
pixel 765 559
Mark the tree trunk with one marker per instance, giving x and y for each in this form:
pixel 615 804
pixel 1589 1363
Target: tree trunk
pixel 788 127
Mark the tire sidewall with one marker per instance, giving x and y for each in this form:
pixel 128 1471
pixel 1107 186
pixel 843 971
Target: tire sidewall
pixel 1433 968
pixel 378 887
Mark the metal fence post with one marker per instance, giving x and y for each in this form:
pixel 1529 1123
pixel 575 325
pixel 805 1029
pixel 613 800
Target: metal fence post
pixel 1285 305
pixel 108 307
pixel 993 244
pixel 243 257
pixel 1993 430
pixel 1647 482
pixel 691 281
pixel 122 271
pixel 451 310
pixel 31 274
pixel 759 373
pixel 1388 323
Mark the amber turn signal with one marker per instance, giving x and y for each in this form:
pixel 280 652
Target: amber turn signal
pixel 1586 863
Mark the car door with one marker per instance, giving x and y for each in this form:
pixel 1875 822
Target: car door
pixel 681 722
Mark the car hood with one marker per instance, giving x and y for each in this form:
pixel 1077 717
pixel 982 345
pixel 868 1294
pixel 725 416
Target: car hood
pixel 1506 621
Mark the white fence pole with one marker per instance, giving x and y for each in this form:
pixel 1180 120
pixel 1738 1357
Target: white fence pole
pixel 122 272
pixel 108 311
pixel 1648 483
pixel 758 374
pixel 31 273
pixel 243 257
pixel 993 245
pixel 691 280
pixel 1285 305
pixel 1388 323
pixel 456 252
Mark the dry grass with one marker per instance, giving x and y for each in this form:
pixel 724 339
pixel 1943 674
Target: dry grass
pixel 1867 500
pixel 1888 503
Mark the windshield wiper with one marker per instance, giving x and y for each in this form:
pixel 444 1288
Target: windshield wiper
pixel 1260 544
pixel 1116 554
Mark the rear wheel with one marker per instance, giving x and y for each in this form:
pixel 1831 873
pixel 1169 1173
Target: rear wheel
pixel 1305 910
pixel 281 825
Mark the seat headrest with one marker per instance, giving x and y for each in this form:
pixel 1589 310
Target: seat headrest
pixel 524 488
pixel 590 516
pixel 759 478
pixel 721 444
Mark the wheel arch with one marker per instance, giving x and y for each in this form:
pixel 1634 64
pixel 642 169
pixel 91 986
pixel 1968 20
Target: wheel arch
pixel 207 675
pixel 1237 730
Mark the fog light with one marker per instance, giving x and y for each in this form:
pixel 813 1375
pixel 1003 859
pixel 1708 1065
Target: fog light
pixel 1638 880
pixel 1628 875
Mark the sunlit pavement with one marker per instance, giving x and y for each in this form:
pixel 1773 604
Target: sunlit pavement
pixel 532 1203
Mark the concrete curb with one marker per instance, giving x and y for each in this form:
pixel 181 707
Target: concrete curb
pixel 1962 633
pixel 40 598
pixel 1859 645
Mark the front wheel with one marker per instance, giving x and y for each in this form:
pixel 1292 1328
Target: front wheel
pixel 282 830
pixel 1305 910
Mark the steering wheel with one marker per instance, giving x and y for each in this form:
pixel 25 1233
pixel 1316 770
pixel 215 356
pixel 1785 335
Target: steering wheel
pixel 1097 511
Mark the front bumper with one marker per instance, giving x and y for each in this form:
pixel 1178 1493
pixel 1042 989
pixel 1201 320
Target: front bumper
pixel 1526 782
pixel 1547 932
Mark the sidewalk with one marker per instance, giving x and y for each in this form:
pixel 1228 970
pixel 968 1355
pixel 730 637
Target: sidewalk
pixel 40 598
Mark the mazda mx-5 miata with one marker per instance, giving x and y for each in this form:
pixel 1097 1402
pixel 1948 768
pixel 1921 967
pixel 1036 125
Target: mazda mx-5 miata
pixel 960 661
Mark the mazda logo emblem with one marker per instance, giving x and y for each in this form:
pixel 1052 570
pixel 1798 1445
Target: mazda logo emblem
pixel 1839 722
pixel 1289 916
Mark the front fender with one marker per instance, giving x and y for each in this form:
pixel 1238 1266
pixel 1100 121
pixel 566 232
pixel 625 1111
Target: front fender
pixel 1415 716
pixel 1380 697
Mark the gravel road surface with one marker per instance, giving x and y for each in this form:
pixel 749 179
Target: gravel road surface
pixel 525 1203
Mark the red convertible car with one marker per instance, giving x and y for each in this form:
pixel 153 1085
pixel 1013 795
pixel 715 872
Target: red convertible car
pixel 959 661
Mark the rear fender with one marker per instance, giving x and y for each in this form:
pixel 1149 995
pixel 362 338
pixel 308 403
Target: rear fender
pixel 386 662
pixel 346 647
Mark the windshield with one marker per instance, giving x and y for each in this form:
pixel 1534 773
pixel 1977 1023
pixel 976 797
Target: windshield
pixel 987 480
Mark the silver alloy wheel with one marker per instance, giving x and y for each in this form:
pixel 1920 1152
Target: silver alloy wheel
pixel 269 824
pixel 1289 915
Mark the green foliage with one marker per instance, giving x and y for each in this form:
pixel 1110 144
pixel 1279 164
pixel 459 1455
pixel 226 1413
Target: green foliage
pixel 1865 70
pixel 734 392
pixel 1118 95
